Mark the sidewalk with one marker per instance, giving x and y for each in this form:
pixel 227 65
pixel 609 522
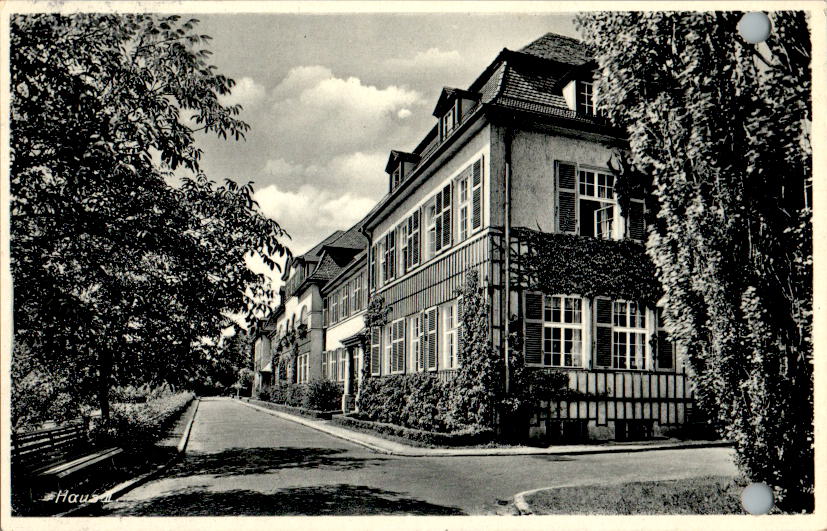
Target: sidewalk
pixel 384 446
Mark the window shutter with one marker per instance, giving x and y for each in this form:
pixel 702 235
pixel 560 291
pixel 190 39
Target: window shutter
pixel 375 346
pixel 414 246
pixel 566 198
pixel 666 351
pixel 432 349
pixel 372 273
pixel 446 216
pixel 476 196
pixel 603 331
pixel 637 223
pixel 533 322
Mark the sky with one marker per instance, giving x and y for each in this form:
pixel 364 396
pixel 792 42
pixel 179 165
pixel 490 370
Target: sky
pixel 327 96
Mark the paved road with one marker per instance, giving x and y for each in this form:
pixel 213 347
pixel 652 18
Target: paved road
pixel 241 461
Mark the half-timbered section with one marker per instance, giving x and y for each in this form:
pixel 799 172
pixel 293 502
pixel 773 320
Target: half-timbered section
pixel 520 156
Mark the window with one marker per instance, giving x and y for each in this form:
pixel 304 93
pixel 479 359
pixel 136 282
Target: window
pixel 469 200
pixel 464 221
pixel 303 317
pixel 430 337
pixel 326 311
pixel 629 335
pixel 449 315
pixel 397 349
pixel 334 308
pixel 303 367
pixel 396 177
pixel 585 97
pixel 387 337
pixel 388 257
pixel 596 203
pixel 562 331
pixel 345 301
pixel 415 354
pixel 448 121
pixel 439 223
pixel 342 364
pixel 325 373
pixel 409 243
pixel 375 351
pixel 357 293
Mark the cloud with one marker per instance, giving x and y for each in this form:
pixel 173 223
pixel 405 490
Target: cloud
pixel 245 92
pixel 403 113
pixel 309 214
pixel 430 59
pixel 315 113
pixel 350 171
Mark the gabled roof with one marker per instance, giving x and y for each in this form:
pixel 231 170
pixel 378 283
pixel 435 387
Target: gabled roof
pixel 336 253
pixel 447 96
pixel 396 156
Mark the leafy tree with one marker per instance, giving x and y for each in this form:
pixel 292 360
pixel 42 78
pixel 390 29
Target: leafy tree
pixel 121 267
pixel 719 139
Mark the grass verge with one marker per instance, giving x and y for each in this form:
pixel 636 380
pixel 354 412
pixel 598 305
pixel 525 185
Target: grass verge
pixel 703 495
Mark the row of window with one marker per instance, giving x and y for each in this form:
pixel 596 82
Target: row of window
pixel 425 341
pixel 450 216
pixel 303 368
pixel 555 326
pixel 350 298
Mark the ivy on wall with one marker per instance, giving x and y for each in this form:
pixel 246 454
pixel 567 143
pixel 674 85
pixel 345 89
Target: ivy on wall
pixel 565 263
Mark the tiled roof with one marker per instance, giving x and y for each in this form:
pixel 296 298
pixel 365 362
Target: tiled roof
pixel 314 254
pixel 349 239
pixel 327 269
pixel 531 86
pixel 559 48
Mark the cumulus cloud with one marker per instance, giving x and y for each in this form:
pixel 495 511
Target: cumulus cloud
pixel 245 92
pixel 309 214
pixel 403 113
pixel 315 113
pixel 432 59
pixel 350 171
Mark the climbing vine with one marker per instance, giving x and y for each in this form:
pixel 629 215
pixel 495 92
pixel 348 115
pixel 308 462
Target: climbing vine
pixel 565 263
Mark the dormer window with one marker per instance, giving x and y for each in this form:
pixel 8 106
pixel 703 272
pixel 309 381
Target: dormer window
pixel 448 121
pixel 585 97
pixel 396 177
pixel 400 165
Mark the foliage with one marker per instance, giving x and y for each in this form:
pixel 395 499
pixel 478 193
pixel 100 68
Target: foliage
pixel 375 317
pixel 37 399
pixel 475 398
pixel 565 263
pixel 131 394
pixel 322 395
pixel 135 426
pixel 720 129
pixel 465 437
pixel 317 394
pixel 123 271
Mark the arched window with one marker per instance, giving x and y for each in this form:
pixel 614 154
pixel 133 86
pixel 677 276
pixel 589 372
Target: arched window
pixel 303 317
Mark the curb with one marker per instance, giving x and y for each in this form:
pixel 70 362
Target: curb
pixel 122 488
pixel 416 452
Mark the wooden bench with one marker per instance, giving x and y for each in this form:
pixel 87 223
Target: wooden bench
pixel 45 458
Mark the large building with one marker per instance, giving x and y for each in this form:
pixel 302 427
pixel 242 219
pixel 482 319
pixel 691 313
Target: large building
pixel 519 155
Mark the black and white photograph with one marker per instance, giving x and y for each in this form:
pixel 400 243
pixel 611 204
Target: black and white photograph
pixel 502 260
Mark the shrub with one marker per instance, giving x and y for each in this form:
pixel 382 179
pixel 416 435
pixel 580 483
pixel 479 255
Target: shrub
pixel 264 395
pixel 465 437
pixel 322 395
pixel 134 426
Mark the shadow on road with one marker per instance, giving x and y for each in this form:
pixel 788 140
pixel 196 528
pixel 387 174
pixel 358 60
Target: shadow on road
pixel 327 500
pixel 242 461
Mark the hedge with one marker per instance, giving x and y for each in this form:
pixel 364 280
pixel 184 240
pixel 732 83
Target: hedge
pixel 304 412
pixel 317 395
pixel 465 437
pixel 134 426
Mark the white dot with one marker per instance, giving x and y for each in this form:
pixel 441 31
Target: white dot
pixel 754 27
pixel 757 498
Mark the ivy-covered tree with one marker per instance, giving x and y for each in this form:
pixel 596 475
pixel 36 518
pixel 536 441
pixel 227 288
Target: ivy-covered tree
pixel 719 131
pixel 121 267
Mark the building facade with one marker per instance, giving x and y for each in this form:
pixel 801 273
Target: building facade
pixel 514 181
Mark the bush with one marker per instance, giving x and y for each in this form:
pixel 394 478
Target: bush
pixel 322 395
pixel 465 437
pixel 134 426
pixel 264 395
